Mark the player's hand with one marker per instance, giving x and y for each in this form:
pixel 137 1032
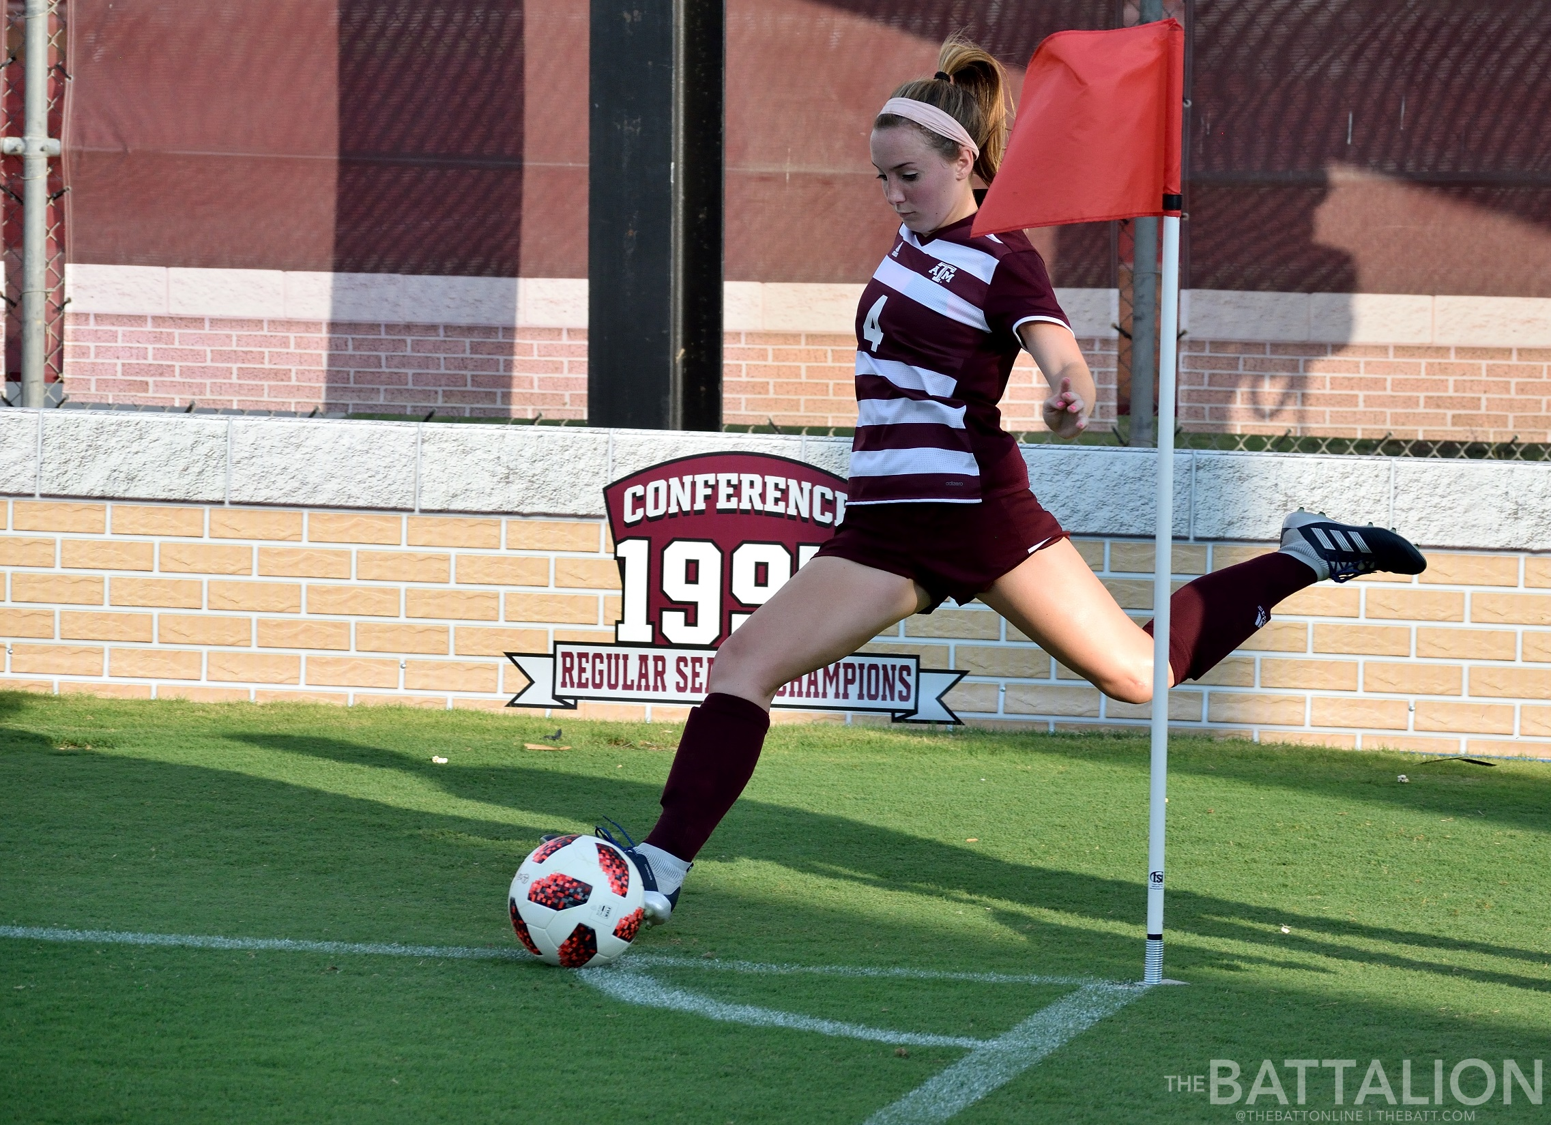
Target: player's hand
pixel 1066 414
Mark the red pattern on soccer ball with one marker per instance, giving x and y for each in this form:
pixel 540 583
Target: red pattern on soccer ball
pixel 616 868
pixel 578 949
pixel 630 925
pixel 522 931
pixel 559 892
pixel 550 847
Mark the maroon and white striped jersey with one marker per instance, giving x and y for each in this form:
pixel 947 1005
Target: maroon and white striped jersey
pixel 936 337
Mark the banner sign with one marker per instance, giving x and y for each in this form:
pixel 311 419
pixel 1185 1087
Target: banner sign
pixel 889 685
pixel 701 543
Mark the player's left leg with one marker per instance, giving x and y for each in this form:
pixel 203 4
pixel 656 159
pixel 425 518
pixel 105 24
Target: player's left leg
pixel 1054 598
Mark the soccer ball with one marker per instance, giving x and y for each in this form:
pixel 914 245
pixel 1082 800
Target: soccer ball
pixel 576 900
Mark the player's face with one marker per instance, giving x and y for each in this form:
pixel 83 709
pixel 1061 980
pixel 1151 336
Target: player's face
pixel 922 187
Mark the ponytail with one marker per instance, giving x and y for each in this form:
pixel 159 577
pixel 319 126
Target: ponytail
pixel 970 86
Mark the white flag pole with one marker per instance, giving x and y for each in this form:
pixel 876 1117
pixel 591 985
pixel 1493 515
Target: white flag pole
pixel 1163 571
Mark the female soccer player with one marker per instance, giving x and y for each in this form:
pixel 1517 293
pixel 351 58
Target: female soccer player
pixel 939 503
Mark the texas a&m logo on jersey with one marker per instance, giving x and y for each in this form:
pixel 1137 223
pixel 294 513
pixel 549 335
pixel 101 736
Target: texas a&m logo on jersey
pixel 702 542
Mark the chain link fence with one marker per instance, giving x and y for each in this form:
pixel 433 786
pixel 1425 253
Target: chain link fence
pixel 1287 442
pixel 12 95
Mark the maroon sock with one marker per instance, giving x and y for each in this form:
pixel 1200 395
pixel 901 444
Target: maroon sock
pixel 1217 612
pixel 715 760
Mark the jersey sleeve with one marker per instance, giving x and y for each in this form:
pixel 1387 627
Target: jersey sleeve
pixel 1020 291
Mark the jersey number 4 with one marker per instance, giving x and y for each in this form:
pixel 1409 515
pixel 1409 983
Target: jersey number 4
pixel 870 327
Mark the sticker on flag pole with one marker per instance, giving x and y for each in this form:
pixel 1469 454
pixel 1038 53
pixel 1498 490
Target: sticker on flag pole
pixel 701 543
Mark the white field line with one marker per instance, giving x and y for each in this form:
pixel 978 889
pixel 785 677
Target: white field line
pixel 634 988
pixel 761 968
pixel 1002 1059
pixel 989 1063
pixel 496 953
pixel 288 945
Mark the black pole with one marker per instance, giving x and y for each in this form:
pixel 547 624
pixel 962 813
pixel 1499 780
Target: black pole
pixel 699 128
pixel 1144 301
pixel 654 258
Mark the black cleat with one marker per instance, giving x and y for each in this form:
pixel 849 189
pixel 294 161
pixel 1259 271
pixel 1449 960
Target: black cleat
pixel 1343 551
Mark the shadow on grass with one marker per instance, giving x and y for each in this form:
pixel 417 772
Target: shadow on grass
pixel 12 706
pixel 1449 788
pixel 810 843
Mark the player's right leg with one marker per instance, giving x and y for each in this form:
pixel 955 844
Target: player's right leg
pixel 828 610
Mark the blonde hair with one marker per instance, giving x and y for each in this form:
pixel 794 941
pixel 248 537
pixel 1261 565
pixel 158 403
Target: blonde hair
pixel 973 93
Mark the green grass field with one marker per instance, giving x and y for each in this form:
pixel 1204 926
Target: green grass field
pixel 1318 909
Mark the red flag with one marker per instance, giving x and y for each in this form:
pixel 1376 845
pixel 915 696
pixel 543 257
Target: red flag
pixel 1098 134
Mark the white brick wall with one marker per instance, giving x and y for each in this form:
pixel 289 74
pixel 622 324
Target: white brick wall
pixel 359 562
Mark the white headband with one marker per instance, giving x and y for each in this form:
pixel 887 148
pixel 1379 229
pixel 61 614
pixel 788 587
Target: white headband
pixel 929 116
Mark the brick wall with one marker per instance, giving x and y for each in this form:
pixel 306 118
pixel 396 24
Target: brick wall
pixel 212 602
pixel 792 378
pixel 789 378
pixel 1367 390
pixel 1458 660
pixel 299 365
pixel 220 603
pixel 808 379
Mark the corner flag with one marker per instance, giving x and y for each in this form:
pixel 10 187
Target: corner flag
pixel 1097 136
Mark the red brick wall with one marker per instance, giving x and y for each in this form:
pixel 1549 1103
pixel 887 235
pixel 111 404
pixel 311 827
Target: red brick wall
pixel 793 378
pixel 1367 390
pixel 790 378
pixel 296 365
pixel 806 379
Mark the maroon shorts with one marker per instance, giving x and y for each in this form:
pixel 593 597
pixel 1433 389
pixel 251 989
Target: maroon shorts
pixel 953 550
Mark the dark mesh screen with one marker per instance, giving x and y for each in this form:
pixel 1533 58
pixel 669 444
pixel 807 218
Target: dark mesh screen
pixel 373 136
pixel 1378 145
pixel 430 137
pixel 1340 145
